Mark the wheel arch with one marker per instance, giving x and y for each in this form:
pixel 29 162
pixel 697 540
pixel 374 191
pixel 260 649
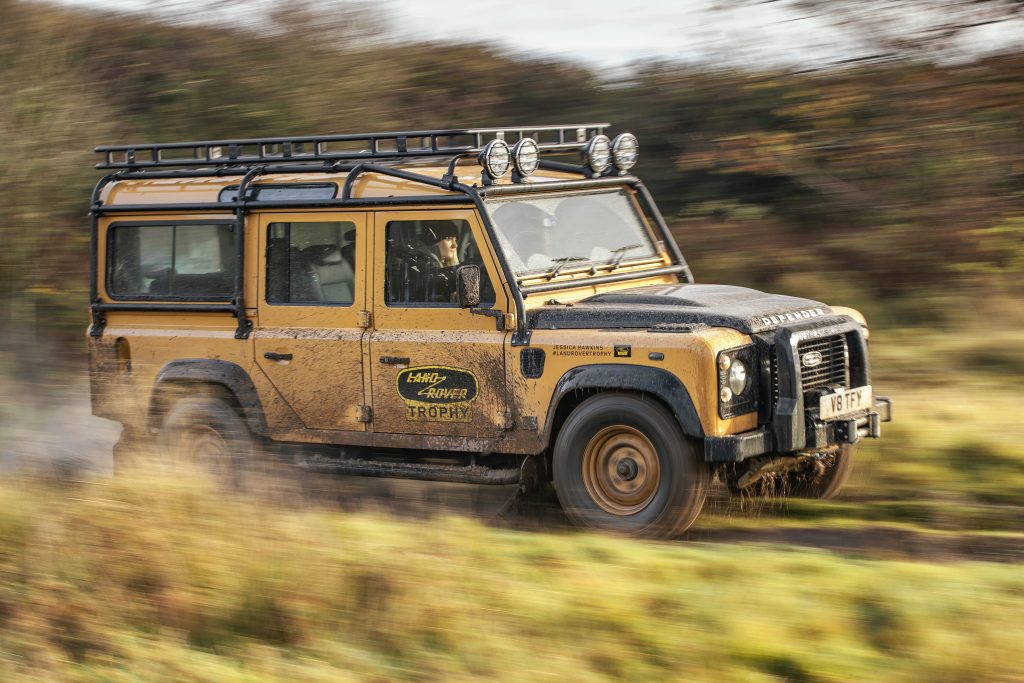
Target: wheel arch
pixel 579 384
pixel 229 377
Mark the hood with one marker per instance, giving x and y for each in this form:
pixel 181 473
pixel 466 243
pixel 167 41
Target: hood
pixel 679 307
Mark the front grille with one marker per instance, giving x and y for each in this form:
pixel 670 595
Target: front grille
pixel 834 367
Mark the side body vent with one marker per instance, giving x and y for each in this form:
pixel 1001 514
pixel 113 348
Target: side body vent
pixel 531 363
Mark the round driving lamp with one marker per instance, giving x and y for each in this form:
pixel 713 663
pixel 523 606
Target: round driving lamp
pixel 738 377
pixel 598 154
pixel 526 156
pixel 625 151
pixel 496 158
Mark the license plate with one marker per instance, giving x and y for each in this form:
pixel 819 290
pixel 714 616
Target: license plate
pixel 845 401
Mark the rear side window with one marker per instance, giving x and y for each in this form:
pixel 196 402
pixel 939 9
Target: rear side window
pixel 311 263
pixel 189 261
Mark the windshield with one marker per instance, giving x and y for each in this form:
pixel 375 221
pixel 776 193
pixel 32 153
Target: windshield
pixel 554 233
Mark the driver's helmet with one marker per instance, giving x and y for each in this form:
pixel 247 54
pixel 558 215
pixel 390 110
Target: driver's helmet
pixel 433 232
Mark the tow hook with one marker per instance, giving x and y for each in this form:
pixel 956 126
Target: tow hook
pixel 852 431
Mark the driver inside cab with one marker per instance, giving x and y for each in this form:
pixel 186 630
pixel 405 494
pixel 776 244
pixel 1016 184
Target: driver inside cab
pixel 433 261
pixel 440 243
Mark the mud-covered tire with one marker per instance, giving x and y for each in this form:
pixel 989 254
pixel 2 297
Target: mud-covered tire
pixel 622 464
pixel 205 433
pixel 837 470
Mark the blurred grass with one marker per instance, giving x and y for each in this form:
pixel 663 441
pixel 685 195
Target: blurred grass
pixel 149 579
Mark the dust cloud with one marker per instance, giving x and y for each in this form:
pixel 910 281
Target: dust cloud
pixel 51 429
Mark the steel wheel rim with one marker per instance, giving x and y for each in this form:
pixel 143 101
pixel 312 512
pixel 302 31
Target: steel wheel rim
pixel 204 447
pixel 621 470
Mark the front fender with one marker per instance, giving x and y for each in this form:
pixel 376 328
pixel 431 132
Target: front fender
pixel 654 381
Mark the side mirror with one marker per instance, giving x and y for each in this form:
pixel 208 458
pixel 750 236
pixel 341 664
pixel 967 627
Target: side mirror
pixel 467 282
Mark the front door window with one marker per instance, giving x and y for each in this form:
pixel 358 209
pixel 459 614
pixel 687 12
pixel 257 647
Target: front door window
pixel 422 256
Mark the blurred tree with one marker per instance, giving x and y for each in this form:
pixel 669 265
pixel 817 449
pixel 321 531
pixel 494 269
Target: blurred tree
pixel 910 29
pixel 902 176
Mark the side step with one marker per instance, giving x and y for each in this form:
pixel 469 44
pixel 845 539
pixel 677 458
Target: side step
pixel 510 473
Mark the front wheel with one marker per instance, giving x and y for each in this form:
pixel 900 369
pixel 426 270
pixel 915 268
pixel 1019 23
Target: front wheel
pixel 821 477
pixel 828 481
pixel 622 464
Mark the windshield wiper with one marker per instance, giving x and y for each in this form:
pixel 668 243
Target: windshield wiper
pixel 621 254
pixel 561 264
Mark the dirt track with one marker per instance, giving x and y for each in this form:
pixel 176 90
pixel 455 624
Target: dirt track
pixel 877 542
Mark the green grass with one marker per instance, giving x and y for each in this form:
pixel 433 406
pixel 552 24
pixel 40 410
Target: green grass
pixel 165 580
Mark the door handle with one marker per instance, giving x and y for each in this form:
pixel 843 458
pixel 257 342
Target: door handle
pixel 393 360
pixel 277 356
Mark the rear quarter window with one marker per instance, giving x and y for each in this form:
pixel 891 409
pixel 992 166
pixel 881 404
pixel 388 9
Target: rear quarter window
pixel 180 261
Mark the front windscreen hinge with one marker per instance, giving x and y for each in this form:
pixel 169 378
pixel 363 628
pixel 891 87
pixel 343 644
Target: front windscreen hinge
pixel 365 319
pixel 365 414
pixel 521 337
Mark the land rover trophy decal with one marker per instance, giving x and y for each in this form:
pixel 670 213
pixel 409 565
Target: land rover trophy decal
pixel 436 393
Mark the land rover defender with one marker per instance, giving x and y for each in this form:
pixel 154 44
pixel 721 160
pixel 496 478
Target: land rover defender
pixel 472 305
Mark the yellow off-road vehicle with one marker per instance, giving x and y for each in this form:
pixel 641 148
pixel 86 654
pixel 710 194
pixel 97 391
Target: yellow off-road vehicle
pixel 456 305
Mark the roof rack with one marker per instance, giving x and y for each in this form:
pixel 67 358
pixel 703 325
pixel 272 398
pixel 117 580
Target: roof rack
pixel 333 148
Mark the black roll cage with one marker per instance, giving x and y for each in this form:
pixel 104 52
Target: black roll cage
pixel 250 170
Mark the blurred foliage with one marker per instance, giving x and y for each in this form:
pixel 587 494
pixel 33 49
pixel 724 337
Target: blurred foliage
pixel 922 29
pixel 894 185
pixel 157 579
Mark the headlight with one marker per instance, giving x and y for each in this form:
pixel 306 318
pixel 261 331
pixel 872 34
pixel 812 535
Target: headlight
pixel 496 158
pixel 625 150
pixel 526 156
pixel 598 154
pixel 738 380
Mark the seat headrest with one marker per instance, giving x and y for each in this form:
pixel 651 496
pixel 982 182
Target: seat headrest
pixel 324 254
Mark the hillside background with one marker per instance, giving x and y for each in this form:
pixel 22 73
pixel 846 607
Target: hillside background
pixel 896 184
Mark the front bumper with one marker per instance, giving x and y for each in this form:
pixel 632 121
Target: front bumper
pixel 760 441
pixel 790 426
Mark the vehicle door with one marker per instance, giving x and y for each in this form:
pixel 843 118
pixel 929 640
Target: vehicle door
pixel 435 368
pixel 312 314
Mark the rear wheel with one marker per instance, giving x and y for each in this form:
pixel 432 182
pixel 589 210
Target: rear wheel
pixel 622 464
pixel 206 433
